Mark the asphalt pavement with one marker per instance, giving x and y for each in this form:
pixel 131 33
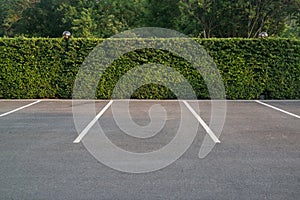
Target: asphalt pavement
pixel 258 157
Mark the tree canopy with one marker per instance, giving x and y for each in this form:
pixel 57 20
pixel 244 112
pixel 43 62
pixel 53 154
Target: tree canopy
pixel 104 18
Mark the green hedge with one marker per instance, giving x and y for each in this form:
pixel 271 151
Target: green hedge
pixel 44 68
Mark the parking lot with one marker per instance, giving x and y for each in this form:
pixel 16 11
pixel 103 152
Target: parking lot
pixel 258 156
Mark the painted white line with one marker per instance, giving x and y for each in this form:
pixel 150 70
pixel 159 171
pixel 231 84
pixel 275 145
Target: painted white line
pixel 204 125
pixel 17 109
pixel 275 108
pixel 90 125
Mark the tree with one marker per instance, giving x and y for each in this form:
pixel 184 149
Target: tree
pixel 12 12
pixel 115 16
pixel 101 18
pixel 237 18
pixel 161 13
pixel 104 18
pixel 292 27
pixel 270 15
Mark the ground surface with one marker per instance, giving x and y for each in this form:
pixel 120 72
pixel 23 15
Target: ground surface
pixel 258 157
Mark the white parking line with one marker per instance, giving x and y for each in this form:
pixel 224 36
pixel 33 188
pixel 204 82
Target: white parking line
pixel 204 125
pixel 90 125
pixel 17 109
pixel 275 108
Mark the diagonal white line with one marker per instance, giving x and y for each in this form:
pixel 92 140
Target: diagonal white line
pixel 204 125
pixel 17 109
pixel 90 125
pixel 275 108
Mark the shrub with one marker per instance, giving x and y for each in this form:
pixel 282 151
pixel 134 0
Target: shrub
pixel 44 68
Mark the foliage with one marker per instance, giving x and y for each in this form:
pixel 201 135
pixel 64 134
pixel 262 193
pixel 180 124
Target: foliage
pixel 161 13
pixel 240 18
pixel 197 18
pixel 11 12
pixel 42 68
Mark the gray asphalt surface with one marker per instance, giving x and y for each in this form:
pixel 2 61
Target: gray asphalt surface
pixel 258 157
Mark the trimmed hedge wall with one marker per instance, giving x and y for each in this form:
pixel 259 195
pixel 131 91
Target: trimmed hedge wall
pixel 44 68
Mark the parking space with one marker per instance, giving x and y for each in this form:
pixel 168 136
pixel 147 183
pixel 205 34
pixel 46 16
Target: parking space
pixel 292 106
pixel 8 106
